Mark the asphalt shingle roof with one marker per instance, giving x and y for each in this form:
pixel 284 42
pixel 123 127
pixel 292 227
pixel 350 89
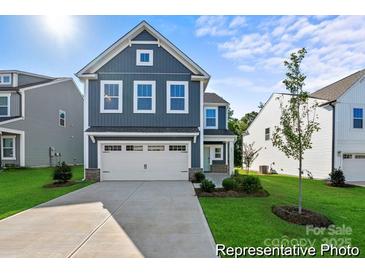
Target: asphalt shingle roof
pixel 210 97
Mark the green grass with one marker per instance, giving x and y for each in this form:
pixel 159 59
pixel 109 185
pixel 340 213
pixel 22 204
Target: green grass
pixel 21 189
pixel 241 222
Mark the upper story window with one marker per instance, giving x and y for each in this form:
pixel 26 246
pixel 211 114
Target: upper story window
pixel 144 97
pixel 267 134
pixel 5 79
pixel 8 148
pixel 144 57
pixel 177 97
pixel 211 117
pixel 111 94
pixel 358 117
pixel 4 105
pixel 62 118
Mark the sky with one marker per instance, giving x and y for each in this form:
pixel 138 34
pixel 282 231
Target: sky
pixel 243 54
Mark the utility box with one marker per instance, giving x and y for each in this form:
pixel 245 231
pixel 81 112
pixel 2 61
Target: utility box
pixel 264 169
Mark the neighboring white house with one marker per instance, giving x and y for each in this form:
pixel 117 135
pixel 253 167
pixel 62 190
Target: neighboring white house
pixel 340 143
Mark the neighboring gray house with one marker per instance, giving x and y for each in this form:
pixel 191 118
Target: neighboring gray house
pixel 147 116
pixel 40 120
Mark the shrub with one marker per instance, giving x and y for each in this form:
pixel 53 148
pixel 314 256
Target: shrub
pixel 236 172
pixel 229 184
pixel 251 184
pixel 199 177
pixel 337 178
pixel 207 186
pixel 62 173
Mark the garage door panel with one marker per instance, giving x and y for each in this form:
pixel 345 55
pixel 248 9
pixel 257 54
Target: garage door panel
pixel 354 166
pixel 145 165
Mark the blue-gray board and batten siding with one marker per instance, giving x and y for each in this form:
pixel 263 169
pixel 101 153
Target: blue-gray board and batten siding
pixel 222 117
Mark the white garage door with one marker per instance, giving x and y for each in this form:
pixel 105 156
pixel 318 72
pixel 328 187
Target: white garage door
pixel 354 166
pixel 122 161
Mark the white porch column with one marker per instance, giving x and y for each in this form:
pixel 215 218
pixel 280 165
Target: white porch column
pixel 231 157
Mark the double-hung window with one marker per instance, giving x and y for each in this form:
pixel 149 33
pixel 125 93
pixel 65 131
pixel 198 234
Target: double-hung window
pixel 144 97
pixel 358 116
pixel 211 117
pixel 144 57
pixel 177 97
pixel 4 105
pixel 5 79
pixel 111 94
pixel 62 118
pixel 267 134
pixel 8 148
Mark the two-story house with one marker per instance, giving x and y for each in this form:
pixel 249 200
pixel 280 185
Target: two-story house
pixel 40 120
pixel 340 142
pixel 146 113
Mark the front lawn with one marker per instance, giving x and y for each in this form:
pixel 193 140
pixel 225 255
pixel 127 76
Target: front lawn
pixel 21 189
pixel 248 221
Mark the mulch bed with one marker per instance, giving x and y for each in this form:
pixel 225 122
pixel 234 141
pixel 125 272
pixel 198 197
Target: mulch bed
pixel 291 215
pixel 328 183
pixel 55 185
pixel 220 192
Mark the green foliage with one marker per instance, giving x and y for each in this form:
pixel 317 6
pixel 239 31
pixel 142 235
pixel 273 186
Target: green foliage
pixel 229 184
pixel 238 127
pixel 251 184
pixel 62 173
pixel 207 186
pixel 249 155
pixel 337 177
pixel 199 177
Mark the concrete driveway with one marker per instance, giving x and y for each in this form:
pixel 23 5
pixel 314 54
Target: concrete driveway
pixel 112 219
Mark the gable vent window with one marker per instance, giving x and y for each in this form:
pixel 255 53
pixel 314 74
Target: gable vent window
pixel 177 148
pixel 5 79
pixel 267 134
pixel 144 57
pixel 358 117
pixel 134 148
pixel 62 118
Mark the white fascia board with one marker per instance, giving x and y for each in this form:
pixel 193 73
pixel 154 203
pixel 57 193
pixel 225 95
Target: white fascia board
pixel 216 104
pixel 91 76
pixel 142 134
pixel 60 80
pixel 218 138
pixel 125 41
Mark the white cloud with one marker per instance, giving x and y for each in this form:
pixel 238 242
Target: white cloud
pixel 238 21
pixel 218 25
pixel 246 68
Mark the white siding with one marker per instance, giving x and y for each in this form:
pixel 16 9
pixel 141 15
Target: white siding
pixel 348 139
pixel 318 160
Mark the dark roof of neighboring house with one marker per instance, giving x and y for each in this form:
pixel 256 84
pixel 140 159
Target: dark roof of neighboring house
pixel 218 132
pixel 144 129
pixel 210 97
pixel 335 90
pixel 2 119
pixel 27 85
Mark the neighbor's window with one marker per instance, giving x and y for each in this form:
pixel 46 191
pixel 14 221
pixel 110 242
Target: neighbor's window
pixel 4 105
pixel 177 97
pixel 8 148
pixel 144 57
pixel 62 118
pixel 267 134
pixel 211 118
pixel 111 96
pixel 144 96
pixel 358 117
pixel 5 79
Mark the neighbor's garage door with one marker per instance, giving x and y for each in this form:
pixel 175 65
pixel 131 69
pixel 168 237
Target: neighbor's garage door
pixel 144 161
pixel 354 166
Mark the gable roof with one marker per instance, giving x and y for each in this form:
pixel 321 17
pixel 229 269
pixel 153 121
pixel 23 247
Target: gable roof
pixel 335 90
pixel 125 41
pixel 213 98
pixel 27 73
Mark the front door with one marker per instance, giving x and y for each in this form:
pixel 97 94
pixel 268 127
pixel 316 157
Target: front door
pixel 206 158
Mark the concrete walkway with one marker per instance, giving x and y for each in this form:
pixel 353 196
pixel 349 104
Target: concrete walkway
pixel 112 219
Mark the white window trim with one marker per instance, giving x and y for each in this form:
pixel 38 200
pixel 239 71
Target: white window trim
pixel 120 97
pixel 59 118
pixel 8 95
pixel 138 59
pixel 14 147
pixel 216 118
pixel 135 97
pixel 4 75
pixel 186 97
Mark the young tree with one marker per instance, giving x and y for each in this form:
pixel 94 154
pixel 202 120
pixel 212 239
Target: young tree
pixel 249 155
pixel 298 119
